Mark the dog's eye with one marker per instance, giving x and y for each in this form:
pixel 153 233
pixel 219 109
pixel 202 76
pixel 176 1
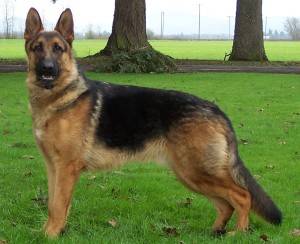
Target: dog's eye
pixel 57 48
pixel 38 48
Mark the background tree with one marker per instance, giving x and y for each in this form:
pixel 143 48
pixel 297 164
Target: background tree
pixel 292 27
pixel 129 27
pixel 128 49
pixel 270 33
pixel 248 43
pixel 8 18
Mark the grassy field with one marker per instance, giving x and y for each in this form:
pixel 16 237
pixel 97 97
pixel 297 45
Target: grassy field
pixel 144 200
pixel 203 50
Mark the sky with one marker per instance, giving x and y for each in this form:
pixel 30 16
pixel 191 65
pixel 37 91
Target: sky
pixel 180 16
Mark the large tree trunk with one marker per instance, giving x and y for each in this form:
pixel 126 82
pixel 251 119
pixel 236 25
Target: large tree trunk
pixel 248 43
pixel 127 49
pixel 129 27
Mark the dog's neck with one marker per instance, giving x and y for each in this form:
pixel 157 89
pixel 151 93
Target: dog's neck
pixel 51 101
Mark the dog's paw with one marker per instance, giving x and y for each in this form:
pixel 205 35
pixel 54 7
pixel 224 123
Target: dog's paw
pixel 219 232
pixel 52 230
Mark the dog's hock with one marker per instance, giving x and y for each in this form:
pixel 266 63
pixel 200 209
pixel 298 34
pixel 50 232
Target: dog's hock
pixel 33 24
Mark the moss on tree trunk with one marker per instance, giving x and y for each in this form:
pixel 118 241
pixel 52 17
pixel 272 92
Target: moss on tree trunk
pixel 127 49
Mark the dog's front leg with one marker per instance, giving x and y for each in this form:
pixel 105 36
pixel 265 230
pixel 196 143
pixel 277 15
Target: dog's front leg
pixel 62 178
pixel 51 180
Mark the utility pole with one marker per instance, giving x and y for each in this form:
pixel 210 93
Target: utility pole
pixel 162 24
pixel 199 21
pixel 266 28
pixel 229 18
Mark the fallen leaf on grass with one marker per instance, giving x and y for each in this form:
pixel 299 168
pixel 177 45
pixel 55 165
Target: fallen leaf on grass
pixel 170 231
pixel 26 157
pixel 13 223
pixel 244 141
pixel 270 166
pixel 28 174
pixel 41 198
pixel 113 223
pixel 185 203
pixel 295 232
pixel 264 237
pixel 115 193
pixel 93 177
pixel 118 172
pixel 257 177
pixel 4 242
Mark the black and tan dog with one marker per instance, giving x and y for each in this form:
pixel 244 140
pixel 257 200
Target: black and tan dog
pixel 82 124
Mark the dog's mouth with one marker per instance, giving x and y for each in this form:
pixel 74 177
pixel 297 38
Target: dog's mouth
pixel 47 78
pixel 47 81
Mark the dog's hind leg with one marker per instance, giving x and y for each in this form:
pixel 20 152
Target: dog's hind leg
pixel 240 199
pixel 225 195
pixel 230 197
pixel 63 180
pixel 224 213
pixel 200 157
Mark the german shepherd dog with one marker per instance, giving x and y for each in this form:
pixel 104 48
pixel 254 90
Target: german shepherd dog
pixel 82 124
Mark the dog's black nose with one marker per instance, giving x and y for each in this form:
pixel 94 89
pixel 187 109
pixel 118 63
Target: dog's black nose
pixel 48 67
pixel 47 72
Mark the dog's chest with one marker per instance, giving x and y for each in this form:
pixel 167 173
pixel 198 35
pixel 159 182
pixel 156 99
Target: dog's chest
pixel 39 125
pixel 38 134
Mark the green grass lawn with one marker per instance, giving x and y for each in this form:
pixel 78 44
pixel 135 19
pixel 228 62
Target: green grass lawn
pixel 145 199
pixel 203 50
pixel 215 50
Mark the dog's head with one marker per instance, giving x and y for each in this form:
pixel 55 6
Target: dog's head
pixel 49 52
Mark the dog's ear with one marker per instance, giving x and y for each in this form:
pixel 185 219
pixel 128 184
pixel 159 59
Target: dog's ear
pixel 65 26
pixel 33 24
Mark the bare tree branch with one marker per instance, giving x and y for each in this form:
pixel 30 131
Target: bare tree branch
pixel 292 27
pixel 8 17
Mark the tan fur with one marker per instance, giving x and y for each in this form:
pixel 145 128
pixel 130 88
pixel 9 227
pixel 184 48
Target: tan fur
pixel 196 149
pixel 200 157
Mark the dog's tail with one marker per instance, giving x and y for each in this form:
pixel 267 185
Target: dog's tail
pixel 261 204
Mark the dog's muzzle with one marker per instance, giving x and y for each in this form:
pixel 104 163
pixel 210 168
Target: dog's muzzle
pixel 47 72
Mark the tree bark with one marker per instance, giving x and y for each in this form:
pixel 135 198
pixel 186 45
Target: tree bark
pixel 128 49
pixel 248 43
pixel 129 27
